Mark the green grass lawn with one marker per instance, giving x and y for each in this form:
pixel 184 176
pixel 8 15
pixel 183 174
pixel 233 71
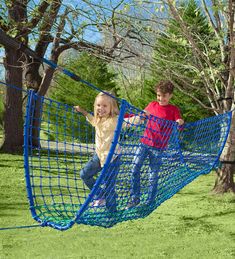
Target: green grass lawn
pixel 192 224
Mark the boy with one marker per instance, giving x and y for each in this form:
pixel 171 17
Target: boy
pixel 155 139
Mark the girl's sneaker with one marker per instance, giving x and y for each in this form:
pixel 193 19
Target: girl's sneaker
pixel 99 203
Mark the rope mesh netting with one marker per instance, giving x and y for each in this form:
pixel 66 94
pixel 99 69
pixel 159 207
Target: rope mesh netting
pixel 59 142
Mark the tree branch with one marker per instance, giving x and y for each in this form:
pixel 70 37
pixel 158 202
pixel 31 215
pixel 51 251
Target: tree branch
pixel 217 28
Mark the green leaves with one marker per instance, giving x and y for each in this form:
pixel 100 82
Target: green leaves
pixel 89 68
pixel 176 59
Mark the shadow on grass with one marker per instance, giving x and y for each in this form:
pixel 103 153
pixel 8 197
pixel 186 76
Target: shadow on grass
pixel 17 159
pixel 8 165
pixel 182 193
pixel 19 152
pixel 206 216
pixel 13 206
pixel 3 214
pixel 225 200
pixel 200 223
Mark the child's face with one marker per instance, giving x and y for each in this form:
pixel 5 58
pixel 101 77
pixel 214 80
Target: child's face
pixel 162 98
pixel 103 107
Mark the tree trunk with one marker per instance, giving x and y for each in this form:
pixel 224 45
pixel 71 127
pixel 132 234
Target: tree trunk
pixel 37 123
pixel 13 115
pixel 33 80
pixel 224 181
pixel 41 86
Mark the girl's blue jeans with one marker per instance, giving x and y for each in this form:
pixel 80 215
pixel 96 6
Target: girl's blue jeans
pixel 155 161
pixel 91 169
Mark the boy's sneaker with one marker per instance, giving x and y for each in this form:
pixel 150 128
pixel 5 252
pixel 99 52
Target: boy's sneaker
pixel 132 204
pixel 99 203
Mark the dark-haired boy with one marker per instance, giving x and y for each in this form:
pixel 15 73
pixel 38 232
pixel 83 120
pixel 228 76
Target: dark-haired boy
pixel 155 139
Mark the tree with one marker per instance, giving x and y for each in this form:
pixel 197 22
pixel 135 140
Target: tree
pixel 207 67
pixel 51 28
pixel 178 66
pixel 171 41
pixel 90 68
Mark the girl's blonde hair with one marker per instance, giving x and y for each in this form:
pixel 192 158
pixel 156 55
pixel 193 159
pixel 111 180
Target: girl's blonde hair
pixel 112 101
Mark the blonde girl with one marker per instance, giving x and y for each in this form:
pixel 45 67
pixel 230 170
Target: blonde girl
pixel 104 120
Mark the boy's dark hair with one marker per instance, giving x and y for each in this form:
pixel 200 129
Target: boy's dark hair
pixel 165 87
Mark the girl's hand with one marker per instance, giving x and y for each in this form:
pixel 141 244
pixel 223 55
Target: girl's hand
pixel 77 108
pixel 180 121
pixel 80 109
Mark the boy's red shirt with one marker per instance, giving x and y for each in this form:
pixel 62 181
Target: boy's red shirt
pixel 157 132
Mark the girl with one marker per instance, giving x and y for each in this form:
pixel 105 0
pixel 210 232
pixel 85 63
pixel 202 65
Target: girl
pixel 105 121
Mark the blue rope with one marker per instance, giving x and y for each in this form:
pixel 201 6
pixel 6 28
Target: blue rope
pixel 59 196
pixel 20 227
pixel 153 173
pixel 13 87
pixel 76 77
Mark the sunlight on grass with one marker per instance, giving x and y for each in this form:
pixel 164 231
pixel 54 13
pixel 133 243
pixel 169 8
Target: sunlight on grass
pixel 192 224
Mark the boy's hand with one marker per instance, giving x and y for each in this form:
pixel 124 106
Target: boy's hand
pixel 180 121
pixel 147 113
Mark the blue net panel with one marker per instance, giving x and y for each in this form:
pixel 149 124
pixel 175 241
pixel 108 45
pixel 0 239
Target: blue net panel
pixel 59 142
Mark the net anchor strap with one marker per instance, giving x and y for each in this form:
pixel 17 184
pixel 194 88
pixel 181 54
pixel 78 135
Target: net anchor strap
pixel 20 227
pixel 227 162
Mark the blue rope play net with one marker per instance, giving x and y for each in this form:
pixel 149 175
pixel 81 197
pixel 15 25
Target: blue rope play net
pixel 59 142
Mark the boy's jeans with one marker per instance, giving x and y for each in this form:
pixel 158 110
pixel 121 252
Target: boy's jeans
pixel 108 193
pixel 155 161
